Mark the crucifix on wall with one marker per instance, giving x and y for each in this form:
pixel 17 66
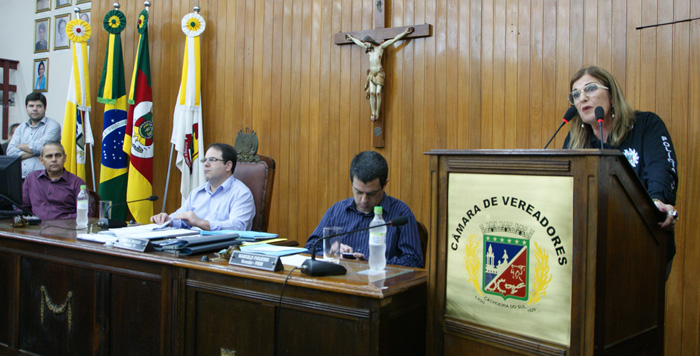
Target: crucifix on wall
pixel 370 41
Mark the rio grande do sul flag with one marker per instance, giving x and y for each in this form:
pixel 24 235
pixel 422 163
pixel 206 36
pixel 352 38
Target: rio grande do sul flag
pixel 77 132
pixel 187 117
pixel 138 138
pixel 112 93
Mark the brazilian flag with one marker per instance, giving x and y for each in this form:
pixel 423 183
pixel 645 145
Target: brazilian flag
pixel 112 93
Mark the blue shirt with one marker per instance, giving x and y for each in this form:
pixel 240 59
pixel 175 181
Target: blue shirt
pixel 403 245
pixel 229 207
pixel 35 137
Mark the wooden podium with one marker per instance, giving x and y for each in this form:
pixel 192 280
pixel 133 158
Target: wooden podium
pixel 543 252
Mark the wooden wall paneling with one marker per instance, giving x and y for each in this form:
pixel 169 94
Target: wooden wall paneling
pixel 648 37
pixel 462 115
pixel 576 36
pixel 563 71
pixel 218 53
pixel 493 74
pixel 315 121
pixel 237 58
pixel 285 119
pixel 661 40
pixel 619 34
pixel 421 137
pixel 502 134
pixel 535 118
pixel 277 214
pixel 402 123
pixel 428 95
pixel 337 97
pixel 686 297
pixel 452 98
pixel 632 69
pixel 506 97
pixel 327 120
pixel 550 96
pixel 523 127
pixel 263 92
pixel 681 56
pixel 438 95
pixel 355 131
pixel 251 62
pixel 476 123
pixel 590 35
pixel 488 124
pixel 604 30
pixel 303 22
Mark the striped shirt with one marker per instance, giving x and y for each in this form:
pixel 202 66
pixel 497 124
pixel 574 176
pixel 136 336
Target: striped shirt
pixel 35 137
pixel 403 245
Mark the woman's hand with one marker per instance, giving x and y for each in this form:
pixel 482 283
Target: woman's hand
pixel 671 215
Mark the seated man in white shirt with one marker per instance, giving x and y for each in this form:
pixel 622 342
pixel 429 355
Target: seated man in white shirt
pixel 222 203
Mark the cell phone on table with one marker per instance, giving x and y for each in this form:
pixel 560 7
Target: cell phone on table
pixel 348 256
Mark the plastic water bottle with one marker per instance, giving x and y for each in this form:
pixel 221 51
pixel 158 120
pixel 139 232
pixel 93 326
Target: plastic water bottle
pixel 81 219
pixel 377 241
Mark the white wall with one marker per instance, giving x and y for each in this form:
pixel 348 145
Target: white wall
pixel 17 43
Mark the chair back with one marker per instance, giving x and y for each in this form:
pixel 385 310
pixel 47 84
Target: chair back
pixel 94 203
pixel 423 234
pixel 259 178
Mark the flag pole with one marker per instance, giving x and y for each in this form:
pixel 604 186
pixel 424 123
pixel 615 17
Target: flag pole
pixel 167 178
pixel 88 147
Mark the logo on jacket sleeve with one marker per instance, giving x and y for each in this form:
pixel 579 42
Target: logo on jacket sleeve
pixel 632 156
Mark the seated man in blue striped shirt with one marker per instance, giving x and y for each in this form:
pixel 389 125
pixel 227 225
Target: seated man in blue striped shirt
pixel 368 174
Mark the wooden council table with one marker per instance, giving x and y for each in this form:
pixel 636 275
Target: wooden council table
pixel 62 296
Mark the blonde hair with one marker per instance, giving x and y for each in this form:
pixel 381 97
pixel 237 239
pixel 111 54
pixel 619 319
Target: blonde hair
pixel 579 135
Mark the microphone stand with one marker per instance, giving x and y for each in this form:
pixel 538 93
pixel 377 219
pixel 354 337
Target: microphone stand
pixel 106 222
pixel 555 134
pixel 313 267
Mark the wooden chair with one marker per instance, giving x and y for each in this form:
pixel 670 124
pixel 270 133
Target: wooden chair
pixel 259 177
pixel 94 203
pixel 423 234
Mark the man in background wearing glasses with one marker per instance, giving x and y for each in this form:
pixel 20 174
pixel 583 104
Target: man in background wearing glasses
pixel 222 203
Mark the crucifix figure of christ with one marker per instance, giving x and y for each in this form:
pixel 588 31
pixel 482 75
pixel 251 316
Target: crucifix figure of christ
pixel 375 73
pixel 374 42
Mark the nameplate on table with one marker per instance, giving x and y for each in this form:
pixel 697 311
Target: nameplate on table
pixel 127 243
pixel 256 260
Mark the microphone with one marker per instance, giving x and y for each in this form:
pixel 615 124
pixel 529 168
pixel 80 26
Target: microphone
pixel 600 115
pixel 312 267
pixel 567 116
pixel 109 223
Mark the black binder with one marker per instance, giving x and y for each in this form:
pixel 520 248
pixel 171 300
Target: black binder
pixel 189 245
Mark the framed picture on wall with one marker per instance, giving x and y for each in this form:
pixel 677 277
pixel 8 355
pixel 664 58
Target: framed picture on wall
pixel 82 2
pixel 60 37
pixel 85 16
pixel 41 74
pixel 41 34
pixel 43 5
pixel 63 3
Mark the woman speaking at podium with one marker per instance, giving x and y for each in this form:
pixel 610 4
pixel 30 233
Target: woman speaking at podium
pixel 641 136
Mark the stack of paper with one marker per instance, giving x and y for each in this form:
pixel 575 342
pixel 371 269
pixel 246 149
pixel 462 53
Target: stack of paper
pixel 273 250
pixel 149 232
pixel 245 235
